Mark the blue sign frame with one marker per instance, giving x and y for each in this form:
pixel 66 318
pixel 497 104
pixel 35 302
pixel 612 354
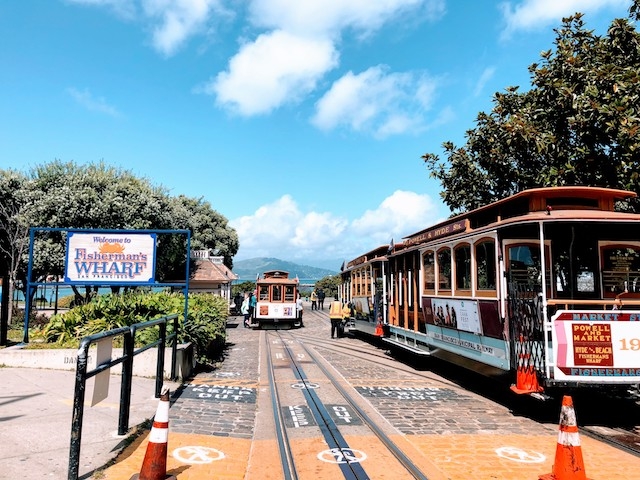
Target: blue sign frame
pixel 30 285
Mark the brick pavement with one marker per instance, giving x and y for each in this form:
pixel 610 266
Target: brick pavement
pixel 211 419
pixel 455 434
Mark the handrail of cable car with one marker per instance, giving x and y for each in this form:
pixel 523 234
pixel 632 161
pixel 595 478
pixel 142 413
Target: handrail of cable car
pixel 605 302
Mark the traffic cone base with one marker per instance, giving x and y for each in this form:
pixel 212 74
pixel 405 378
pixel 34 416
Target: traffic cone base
pixel 526 381
pixel 379 331
pixel 568 463
pixel 526 375
pixel 166 477
pixel 154 465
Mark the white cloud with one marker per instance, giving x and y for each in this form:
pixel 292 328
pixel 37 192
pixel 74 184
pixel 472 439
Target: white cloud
pixel 123 8
pixel 178 20
pixel 399 215
pixel 377 102
pixel 329 17
pixel 296 46
pixel 92 103
pixel 172 21
pixel 286 63
pixel 486 75
pixel 280 229
pixel 277 68
pixel 532 14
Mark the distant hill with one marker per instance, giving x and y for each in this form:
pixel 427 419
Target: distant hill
pixel 250 268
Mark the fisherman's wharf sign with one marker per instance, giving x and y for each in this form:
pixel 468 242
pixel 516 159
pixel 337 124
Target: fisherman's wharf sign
pixel 103 258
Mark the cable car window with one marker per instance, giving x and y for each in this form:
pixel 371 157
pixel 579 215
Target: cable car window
pixel 429 269
pixel 486 265
pixel 463 267
pixel 289 295
pixel 444 269
pixel 620 269
pixel 264 293
pixel 276 293
pixel 524 265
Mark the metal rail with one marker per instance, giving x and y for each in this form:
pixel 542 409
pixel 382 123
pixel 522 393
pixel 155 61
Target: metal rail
pixel 330 431
pixel 404 460
pixel 128 353
pixel 284 446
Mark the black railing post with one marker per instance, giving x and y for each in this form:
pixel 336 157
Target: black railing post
pixel 174 348
pixel 160 364
pixel 78 410
pixel 128 353
pixel 127 374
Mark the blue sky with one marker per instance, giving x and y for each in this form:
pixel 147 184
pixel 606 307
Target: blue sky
pixel 301 121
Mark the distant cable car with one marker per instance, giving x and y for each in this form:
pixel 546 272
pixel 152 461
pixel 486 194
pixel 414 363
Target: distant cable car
pixel 276 301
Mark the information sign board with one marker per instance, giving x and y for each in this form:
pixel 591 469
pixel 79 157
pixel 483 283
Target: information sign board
pixel 596 345
pixel 104 258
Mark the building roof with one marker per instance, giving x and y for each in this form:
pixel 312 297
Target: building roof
pixel 212 270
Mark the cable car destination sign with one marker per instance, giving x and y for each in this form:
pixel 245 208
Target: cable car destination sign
pixel 103 258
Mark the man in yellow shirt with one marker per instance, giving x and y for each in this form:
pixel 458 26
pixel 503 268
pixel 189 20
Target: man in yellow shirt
pixel 337 313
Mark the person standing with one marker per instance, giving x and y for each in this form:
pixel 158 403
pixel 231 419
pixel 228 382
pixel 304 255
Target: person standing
pixel 335 315
pixel 321 299
pixel 237 300
pixel 253 301
pixel 244 309
pixel 314 300
pixel 299 309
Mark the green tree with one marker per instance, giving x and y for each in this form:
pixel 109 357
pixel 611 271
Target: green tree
pixel 330 284
pixel 69 195
pixel 242 287
pixel 98 196
pixel 577 125
pixel 209 228
pixel 634 10
pixel 14 237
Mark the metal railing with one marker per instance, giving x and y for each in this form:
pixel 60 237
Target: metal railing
pixel 128 353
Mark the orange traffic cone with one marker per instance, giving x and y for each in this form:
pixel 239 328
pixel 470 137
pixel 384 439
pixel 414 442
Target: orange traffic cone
pixel 379 331
pixel 568 464
pixel 526 376
pixel 154 466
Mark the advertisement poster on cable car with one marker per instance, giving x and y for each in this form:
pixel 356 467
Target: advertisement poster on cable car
pixel 103 258
pixel 459 314
pixel 596 345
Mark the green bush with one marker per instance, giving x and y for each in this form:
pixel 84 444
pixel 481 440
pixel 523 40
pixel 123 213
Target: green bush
pixel 205 326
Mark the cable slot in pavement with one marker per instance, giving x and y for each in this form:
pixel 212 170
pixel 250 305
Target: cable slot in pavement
pixel 384 438
pixel 330 431
pixel 286 457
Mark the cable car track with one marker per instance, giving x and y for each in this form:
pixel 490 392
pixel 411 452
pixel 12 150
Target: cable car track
pixel 332 434
pixel 623 438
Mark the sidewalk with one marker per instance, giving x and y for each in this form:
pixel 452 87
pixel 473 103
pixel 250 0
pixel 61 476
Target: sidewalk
pixel 36 407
